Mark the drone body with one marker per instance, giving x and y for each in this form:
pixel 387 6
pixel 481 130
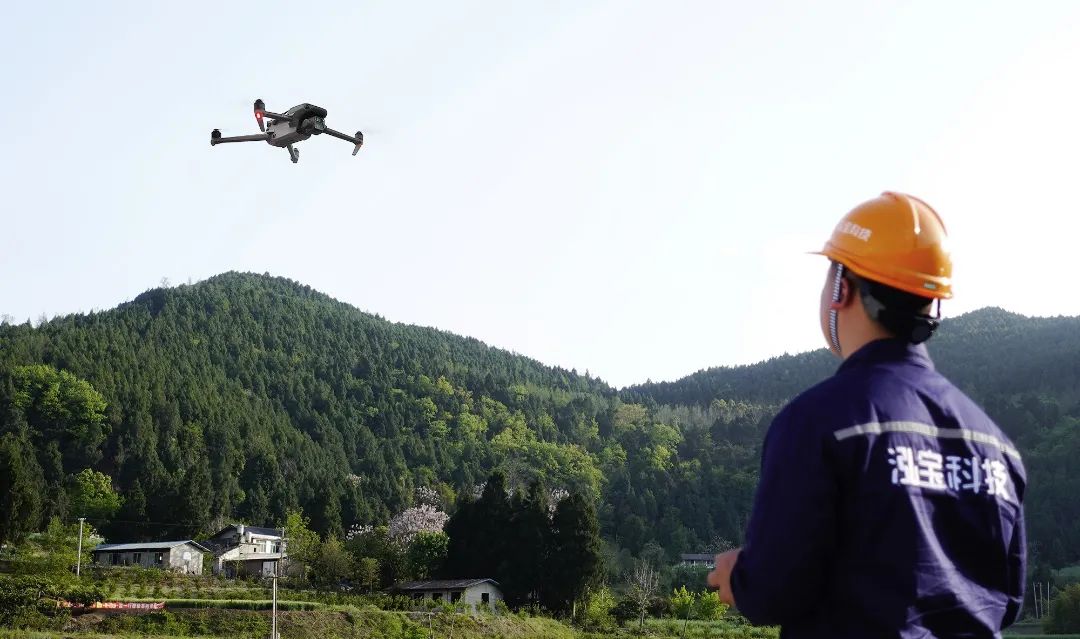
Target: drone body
pixel 286 129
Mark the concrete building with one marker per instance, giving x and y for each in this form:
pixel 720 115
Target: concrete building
pixel 241 550
pixel 474 592
pixel 181 556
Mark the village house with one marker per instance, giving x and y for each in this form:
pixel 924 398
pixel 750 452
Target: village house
pixel 472 592
pixel 699 560
pixel 241 550
pixel 180 556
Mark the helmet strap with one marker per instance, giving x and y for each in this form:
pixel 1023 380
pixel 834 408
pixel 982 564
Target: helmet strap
pixel 916 328
pixel 834 332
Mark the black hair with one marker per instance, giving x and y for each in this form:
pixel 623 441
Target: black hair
pixel 903 314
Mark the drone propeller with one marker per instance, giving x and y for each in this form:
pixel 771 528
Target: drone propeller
pixel 260 110
pixel 359 142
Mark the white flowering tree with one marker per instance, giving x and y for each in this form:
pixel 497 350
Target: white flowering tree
pixel 424 518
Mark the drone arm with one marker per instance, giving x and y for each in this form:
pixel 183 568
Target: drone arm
pixel 339 135
pixel 261 137
pixel 357 140
pixel 270 115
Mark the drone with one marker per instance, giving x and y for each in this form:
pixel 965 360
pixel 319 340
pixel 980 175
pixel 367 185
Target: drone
pixel 283 130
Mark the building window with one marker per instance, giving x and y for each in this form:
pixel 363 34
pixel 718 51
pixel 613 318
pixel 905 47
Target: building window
pixel 115 558
pixel 436 596
pixel 455 597
pixel 159 558
pixel 138 558
pixel 485 597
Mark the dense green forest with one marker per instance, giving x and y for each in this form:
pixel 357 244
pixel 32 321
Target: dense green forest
pixel 245 396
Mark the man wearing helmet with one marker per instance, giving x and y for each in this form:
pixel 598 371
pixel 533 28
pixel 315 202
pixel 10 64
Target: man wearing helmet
pixel 889 504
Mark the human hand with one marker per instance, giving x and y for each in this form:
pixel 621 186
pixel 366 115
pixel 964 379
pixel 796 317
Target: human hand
pixel 720 577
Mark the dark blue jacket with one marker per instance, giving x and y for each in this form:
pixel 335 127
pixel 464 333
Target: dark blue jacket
pixel 889 505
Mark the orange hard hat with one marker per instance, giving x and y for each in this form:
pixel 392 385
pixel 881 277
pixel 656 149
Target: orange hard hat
pixel 896 240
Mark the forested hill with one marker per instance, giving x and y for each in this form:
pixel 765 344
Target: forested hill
pixel 245 396
pixel 988 353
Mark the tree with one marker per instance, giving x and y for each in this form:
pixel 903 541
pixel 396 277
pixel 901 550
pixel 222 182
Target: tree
pixel 477 532
pixel 194 497
pixel 64 408
pixel 92 496
pixel 412 521
pixel 426 554
pixel 575 560
pixel 682 604
pixel 367 572
pixel 598 609
pixel 693 577
pixel 54 552
pixel 56 500
pixel 302 544
pixel 132 511
pixel 20 489
pixel 376 543
pixel 332 565
pixel 521 573
pixel 643 584
pixel 709 607
pixel 1064 612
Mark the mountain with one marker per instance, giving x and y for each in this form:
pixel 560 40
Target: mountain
pixel 245 396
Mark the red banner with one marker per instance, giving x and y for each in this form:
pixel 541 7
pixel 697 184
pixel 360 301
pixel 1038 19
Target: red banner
pixel 119 605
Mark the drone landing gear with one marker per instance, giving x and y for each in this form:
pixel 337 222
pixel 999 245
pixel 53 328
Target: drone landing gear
pixel 294 154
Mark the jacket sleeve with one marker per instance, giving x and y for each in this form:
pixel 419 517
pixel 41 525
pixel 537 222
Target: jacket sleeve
pixel 790 538
pixel 1017 571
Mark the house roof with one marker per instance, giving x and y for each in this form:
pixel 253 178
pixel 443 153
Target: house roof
pixel 698 557
pixel 257 530
pixel 441 584
pixel 149 545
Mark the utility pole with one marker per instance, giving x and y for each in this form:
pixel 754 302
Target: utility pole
pixel 78 559
pixel 277 573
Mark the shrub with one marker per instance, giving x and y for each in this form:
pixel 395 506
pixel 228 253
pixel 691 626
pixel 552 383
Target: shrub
pixel 1064 612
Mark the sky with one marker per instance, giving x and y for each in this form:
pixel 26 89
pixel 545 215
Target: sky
pixel 624 188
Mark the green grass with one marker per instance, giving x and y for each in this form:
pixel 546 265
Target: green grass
pixel 727 628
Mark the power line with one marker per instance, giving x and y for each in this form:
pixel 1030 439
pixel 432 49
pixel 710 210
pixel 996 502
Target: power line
pixel 160 524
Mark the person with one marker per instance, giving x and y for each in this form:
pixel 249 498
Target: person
pixel 889 503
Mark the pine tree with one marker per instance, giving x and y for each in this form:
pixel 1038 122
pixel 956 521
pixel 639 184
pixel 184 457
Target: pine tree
pixel 575 558
pixel 20 500
pixel 526 552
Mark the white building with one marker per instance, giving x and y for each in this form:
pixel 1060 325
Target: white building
pixel 474 592
pixel 247 550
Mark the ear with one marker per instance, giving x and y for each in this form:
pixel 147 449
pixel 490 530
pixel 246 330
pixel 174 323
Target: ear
pixel 844 297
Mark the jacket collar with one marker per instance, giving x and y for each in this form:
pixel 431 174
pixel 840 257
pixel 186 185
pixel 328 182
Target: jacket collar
pixel 888 350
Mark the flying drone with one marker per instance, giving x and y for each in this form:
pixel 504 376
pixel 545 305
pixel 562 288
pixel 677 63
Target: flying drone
pixel 283 130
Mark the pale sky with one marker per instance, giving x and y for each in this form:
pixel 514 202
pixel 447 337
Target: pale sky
pixel 621 187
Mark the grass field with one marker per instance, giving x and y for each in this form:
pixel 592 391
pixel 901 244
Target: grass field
pixel 1033 630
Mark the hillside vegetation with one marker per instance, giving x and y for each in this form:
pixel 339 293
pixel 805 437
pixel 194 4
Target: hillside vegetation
pixel 245 396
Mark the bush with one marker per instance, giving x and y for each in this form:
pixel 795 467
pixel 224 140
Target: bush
pixel 32 602
pixel 624 610
pixel 1064 612
pixel 598 610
